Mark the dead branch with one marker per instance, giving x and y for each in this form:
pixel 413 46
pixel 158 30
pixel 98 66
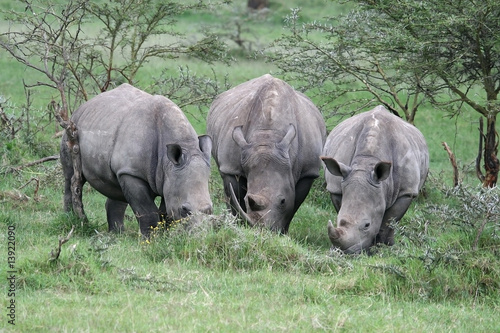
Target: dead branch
pixel 55 255
pixel 491 162
pixel 13 195
pixel 479 173
pixel 37 181
pixel 453 161
pixel 40 161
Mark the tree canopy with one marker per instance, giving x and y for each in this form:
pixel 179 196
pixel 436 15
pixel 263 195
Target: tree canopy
pixel 402 54
pixel 52 38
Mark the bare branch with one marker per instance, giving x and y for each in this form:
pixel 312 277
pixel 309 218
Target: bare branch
pixel 40 161
pixel 453 161
pixel 479 173
pixel 54 255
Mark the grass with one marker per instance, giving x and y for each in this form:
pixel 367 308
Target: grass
pixel 223 277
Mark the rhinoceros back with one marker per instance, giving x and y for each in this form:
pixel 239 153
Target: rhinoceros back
pixel 126 130
pixel 265 103
pixel 385 137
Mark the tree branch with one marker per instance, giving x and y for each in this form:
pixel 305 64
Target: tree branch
pixel 480 151
pixel 453 161
pixel 55 255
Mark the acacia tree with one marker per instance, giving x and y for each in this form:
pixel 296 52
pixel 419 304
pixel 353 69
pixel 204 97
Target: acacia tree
pixel 346 69
pixel 52 38
pixel 402 53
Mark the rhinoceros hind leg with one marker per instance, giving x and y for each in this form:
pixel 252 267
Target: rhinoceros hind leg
pixel 115 213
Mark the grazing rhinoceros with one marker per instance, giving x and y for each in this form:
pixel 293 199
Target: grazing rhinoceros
pixel 135 147
pixel 267 142
pixel 376 164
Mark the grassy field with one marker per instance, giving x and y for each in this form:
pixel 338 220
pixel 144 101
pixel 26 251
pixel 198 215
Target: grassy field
pixel 222 277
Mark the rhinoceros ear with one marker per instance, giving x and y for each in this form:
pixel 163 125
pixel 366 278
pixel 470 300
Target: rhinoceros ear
pixel 239 138
pixel 174 153
pixel 336 168
pixel 205 145
pixel 381 171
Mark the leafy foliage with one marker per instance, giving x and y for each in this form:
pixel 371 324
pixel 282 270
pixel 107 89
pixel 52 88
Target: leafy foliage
pixel 53 41
pixel 401 54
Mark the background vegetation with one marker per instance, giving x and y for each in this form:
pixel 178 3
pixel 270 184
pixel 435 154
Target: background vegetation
pixel 442 274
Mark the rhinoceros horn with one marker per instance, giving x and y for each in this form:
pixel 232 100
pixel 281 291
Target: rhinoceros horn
pixel 241 212
pixel 333 233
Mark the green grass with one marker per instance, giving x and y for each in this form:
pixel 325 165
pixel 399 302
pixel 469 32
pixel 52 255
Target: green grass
pixel 225 277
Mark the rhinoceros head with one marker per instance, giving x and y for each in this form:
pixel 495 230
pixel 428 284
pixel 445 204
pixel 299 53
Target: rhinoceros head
pixel 270 197
pixel 360 206
pixel 185 190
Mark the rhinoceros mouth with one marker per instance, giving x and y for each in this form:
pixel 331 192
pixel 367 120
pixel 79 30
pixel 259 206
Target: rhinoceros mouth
pixel 354 249
pixel 254 219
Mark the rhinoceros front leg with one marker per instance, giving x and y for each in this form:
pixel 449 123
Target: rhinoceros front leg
pixel 302 188
pixel 394 213
pixel 115 213
pixel 240 190
pixel 141 199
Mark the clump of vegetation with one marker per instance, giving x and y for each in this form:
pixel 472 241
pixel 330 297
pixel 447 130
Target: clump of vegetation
pixel 439 255
pixel 221 243
pixel 451 250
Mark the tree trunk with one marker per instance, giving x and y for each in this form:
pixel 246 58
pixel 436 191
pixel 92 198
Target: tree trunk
pixel 77 179
pixel 491 162
pixel 258 4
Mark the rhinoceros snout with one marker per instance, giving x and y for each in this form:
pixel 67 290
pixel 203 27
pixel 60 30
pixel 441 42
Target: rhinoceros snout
pixel 187 209
pixel 256 202
pixel 207 209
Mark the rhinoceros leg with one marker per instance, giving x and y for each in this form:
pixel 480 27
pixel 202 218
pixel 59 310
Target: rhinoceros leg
pixel 141 200
pixel 394 213
pixel 240 190
pixel 302 188
pixel 115 212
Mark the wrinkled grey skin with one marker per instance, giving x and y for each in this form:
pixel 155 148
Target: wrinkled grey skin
pixel 267 142
pixel 136 147
pixel 376 163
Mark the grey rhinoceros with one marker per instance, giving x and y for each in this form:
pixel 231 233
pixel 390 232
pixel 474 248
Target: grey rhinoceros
pixel 135 147
pixel 376 163
pixel 267 139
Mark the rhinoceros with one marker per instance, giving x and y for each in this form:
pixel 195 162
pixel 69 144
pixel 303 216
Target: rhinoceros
pixel 267 139
pixel 135 147
pixel 376 163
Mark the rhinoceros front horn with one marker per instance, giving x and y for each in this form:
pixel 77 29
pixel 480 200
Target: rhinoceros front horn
pixel 241 212
pixel 333 233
